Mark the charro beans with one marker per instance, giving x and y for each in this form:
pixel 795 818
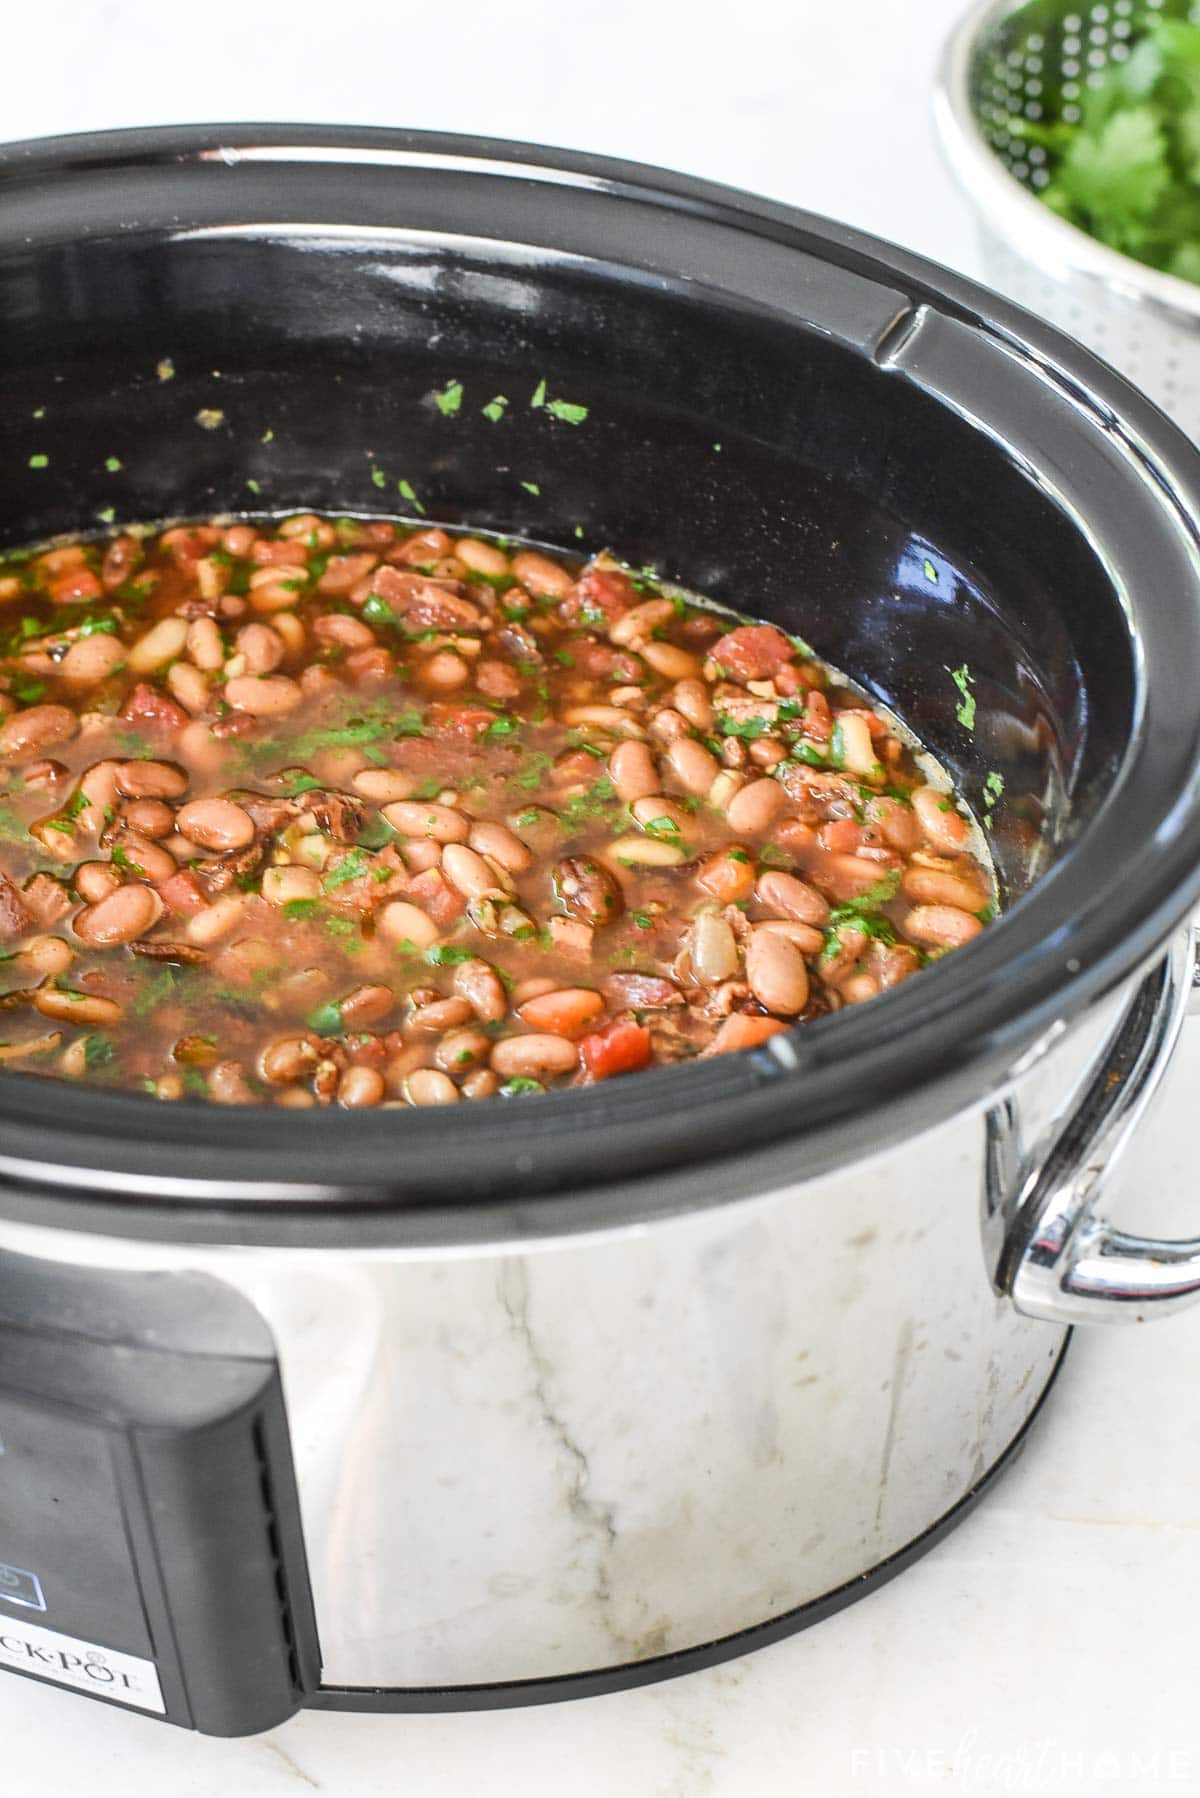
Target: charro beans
pixel 345 814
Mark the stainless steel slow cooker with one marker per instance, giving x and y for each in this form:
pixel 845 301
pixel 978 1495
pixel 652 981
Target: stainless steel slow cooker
pixel 410 1411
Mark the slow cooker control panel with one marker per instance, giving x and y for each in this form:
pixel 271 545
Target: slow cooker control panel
pixel 151 1553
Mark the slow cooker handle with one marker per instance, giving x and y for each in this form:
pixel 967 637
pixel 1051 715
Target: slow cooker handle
pixel 1059 1259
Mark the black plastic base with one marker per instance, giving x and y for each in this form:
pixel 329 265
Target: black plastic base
pixel 511 1693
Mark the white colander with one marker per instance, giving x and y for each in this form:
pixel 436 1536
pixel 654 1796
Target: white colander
pixel 1008 61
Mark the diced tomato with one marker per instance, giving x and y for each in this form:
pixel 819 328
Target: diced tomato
pixel 600 593
pixel 146 705
pixel 743 1031
pixel 182 894
pixel 79 584
pixel 458 720
pixel 600 661
pixel 789 680
pixel 563 1012
pixel 818 719
pixel 620 1048
pixel 753 652
pixel 434 894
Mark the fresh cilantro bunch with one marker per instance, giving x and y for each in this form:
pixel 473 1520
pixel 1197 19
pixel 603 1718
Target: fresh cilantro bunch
pixel 1129 172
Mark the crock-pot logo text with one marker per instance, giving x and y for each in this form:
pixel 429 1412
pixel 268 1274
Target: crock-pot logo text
pixel 84 1666
pixel 92 1666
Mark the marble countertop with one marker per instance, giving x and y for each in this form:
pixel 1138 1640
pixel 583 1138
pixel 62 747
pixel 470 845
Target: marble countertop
pixel 1049 1644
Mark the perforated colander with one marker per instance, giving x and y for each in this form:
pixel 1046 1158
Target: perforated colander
pixel 1032 62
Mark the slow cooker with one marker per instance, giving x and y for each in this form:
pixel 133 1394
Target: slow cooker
pixel 426 1410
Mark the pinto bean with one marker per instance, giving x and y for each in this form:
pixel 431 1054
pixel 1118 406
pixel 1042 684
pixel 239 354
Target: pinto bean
pixel 216 920
pixel 691 698
pixel 479 984
pixel 425 818
pixel 366 1005
pixel 501 845
pixel 120 917
pixel 480 1083
pixel 755 807
pixel 693 766
pixel 929 886
pixel 540 576
pixel 217 824
pixel 429 1086
pixel 400 922
pixel 468 872
pixel 139 855
pixel 437 1016
pixel 633 772
pixel 742 1030
pixel 151 780
pixel 227 1084
pixel 204 645
pixel 32 731
pixel 361 1086
pixel 670 661
pixel 148 817
pixel 382 785
pixel 712 949
pixel 76 1008
pixel 533 1057
pixel 791 897
pixel 95 881
pixel 463 1048
pixel 941 926
pixel 806 937
pixel 944 826
pixel 46 955
pixel 280 886
pixel 261 649
pixel 896 822
pixel 633 627
pixel 288 1059
pixel 481 557
pixel 159 645
pixel 264 696
pixel 90 660
pixel 776 973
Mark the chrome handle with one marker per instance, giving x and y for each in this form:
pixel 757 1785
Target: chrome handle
pixel 1059 1260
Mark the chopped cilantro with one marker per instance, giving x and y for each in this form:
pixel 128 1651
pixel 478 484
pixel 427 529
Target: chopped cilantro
pixel 569 413
pixel 39 461
pixel 113 463
pixel 254 486
pixel 965 710
pixel 165 369
pixel 495 408
pixel 378 477
pixel 449 399
pixel 539 395
pixel 519 1085
pixel 531 487
pixel 268 436
pixel 107 514
pixel 738 855
pixel 349 868
pixel 930 572
pixel 407 492
pixel 500 728
pixel 301 783
pixel 325 1019
pixel 98 1051
pixel 748 728
pixel 993 791
pixel 642 919
pixel 378 610
pixel 448 955
pixel 301 908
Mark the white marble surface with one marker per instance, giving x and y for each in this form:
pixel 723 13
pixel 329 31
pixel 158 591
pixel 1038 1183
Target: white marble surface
pixel 1050 1644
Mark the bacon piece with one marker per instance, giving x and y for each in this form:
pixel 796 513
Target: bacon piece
pixel 187 954
pixel 434 894
pixel 340 816
pixel 46 898
pixel 146 705
pixel 600 593
pixel 15 917
pixel 426 604
pixel 753 652
pixel 458 720
pixel 642 992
